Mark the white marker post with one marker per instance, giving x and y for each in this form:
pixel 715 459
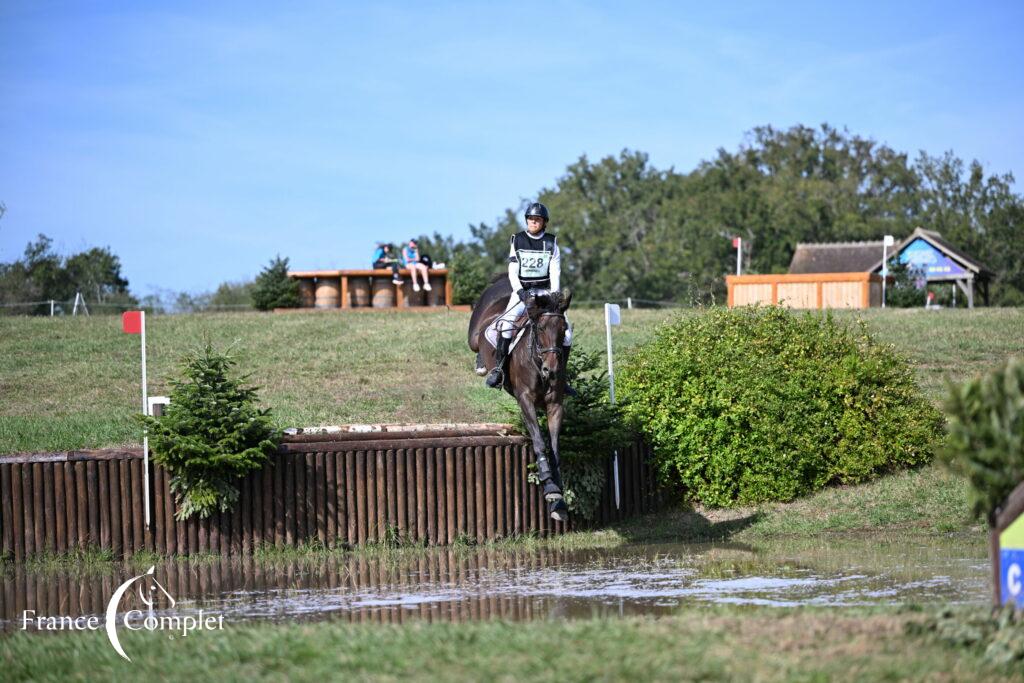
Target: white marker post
pixel 612 316
pixel 887 242
pixel 737 244
pixel 134 322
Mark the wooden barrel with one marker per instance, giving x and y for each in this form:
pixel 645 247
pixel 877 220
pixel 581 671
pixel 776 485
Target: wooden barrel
pixel 359 291
pixel 328 292
pixel 383 293
pixel 436 294
pixel 414 298
pixel 307 296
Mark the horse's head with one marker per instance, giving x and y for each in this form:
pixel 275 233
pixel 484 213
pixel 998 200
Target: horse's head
pixel 547 314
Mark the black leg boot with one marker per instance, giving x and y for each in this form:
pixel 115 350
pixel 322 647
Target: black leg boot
pixel 557 508
pixel 496 377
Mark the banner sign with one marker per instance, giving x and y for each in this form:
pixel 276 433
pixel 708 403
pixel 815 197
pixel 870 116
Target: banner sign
pixel 1011 563
pixel 921 255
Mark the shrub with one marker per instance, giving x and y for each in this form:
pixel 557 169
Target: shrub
pixel 470 276
pixel 986 435
pixel 755 404
pixel 591 429
pixel 273 288
pixel 211 434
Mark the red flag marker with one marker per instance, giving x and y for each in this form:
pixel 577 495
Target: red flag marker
pixel 131 322
pixel 735 242
pixel 134 322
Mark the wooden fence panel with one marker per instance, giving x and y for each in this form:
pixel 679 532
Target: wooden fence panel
pixel 346 493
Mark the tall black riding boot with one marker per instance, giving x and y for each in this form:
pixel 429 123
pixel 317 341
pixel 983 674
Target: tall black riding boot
pixel 496 377
pixel 569 391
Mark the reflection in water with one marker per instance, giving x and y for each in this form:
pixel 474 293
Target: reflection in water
pixel 461 584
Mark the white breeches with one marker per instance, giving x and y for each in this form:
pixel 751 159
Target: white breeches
pixel 506 322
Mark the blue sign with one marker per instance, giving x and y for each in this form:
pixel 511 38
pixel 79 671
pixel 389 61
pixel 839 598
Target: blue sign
pixel 1011 580
pixel 922 256
pixel 1011 563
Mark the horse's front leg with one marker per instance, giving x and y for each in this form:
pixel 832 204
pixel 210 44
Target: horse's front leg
pixel 548 482
pixel 555 413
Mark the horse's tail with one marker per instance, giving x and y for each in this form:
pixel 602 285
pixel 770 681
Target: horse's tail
pixel 492 301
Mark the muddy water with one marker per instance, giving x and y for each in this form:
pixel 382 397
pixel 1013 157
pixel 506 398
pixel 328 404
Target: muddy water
pixel 466 584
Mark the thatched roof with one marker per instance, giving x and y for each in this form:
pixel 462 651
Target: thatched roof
pixel 836 257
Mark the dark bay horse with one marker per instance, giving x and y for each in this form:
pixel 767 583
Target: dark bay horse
pixel 535 374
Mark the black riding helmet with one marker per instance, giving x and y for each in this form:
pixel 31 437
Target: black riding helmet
pixel 538 209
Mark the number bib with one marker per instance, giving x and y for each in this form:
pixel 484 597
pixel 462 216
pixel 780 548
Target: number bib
pixel 534 265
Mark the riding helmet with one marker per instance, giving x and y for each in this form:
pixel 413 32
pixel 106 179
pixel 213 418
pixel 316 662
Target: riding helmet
pixel 538 209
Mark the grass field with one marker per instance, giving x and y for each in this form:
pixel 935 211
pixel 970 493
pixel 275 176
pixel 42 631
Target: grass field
pixel 713 644
pixel 74 382
pixel 69 383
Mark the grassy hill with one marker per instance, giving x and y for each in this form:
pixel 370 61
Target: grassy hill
pixel 74 382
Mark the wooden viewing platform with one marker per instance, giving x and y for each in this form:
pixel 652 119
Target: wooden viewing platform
pixel 369 288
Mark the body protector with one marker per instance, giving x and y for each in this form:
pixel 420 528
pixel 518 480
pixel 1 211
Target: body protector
pixel 533 263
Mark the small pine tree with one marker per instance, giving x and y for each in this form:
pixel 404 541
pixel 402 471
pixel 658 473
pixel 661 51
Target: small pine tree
pixel 986 435
pixel 211 435
pixel 273 288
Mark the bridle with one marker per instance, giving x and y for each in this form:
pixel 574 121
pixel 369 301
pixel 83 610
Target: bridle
pixel 535 352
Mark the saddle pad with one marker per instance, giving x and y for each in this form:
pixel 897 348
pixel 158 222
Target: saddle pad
pixel 491 333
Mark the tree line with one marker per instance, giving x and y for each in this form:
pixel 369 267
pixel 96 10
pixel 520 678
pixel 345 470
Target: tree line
pixel 628 229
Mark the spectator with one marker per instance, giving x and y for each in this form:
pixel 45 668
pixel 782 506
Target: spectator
pixel 382 258
pixel 411 259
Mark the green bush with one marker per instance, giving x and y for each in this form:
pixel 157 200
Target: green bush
pixel 470 276
pixel 591 429
pixel 211 435
pixel 273 288
pixel 986 435
pixel 755 404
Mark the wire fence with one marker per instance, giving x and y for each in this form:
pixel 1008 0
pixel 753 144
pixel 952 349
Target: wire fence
pixel 61 307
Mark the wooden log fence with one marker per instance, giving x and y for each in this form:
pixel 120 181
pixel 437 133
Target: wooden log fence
pixel 337 490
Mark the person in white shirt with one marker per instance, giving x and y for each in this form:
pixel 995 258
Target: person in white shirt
pixel 534 262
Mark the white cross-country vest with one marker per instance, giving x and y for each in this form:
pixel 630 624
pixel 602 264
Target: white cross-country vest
pixel 534 258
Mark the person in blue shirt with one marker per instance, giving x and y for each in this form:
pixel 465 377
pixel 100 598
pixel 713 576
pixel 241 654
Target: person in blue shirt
pixel 382 258
pixel 411 259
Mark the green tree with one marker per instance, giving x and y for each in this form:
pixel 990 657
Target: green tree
pixel 273 288
pixel 43 274
pixel 232 295
pixel 212 434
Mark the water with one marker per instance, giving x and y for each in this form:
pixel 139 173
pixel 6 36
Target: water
pixel 467 584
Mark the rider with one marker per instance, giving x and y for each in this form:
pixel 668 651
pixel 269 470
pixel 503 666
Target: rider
pixel 534 262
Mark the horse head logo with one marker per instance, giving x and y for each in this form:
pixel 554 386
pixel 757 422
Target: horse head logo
pixel 149 591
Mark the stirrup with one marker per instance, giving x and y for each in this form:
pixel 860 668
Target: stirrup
pixel 495 378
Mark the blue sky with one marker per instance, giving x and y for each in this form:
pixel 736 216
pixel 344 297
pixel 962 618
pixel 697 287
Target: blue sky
pixel 198 140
